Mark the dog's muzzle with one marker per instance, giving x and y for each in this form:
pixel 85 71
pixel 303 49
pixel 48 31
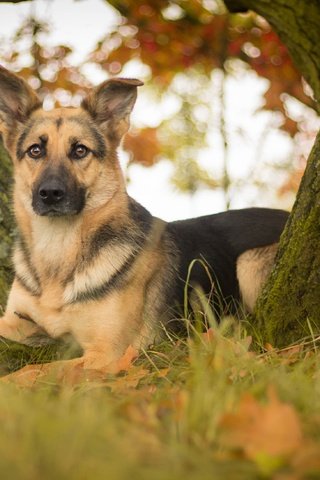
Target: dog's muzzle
pixel 54 196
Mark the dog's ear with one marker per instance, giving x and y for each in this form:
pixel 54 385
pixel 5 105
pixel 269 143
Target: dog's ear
pixel 111 103
pixel 17 101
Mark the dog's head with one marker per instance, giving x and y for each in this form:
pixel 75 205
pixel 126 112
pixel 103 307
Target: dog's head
pixel 65 160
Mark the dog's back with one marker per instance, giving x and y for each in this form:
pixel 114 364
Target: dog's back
pixel 90 261
pixel 235 249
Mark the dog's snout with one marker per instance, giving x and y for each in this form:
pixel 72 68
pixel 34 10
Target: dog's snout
pixel 57 193
pixel 52 192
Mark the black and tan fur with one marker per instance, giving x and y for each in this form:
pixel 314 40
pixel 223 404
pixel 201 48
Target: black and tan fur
pixel 91 261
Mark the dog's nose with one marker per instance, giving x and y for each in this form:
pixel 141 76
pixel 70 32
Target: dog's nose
pixel 52 192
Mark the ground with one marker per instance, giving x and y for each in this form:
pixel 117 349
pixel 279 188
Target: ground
pixel 217 405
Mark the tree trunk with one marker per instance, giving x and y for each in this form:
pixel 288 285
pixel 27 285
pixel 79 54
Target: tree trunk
pixel 290 303
pixel 289 306
pixel 6 225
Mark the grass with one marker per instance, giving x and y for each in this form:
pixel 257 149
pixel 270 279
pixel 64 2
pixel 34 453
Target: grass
pixel 179 413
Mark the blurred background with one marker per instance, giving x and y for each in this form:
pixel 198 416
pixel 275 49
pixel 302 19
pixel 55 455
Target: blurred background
pixel 224 119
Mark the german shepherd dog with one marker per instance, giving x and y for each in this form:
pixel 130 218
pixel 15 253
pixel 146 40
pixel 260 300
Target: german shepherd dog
pixel 89 260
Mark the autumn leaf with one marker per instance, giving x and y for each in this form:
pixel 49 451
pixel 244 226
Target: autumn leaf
pixel 125 362
pixel 143 146
pixel 268 347
pixel 69 372
pixel 26 376
pixel 64 372
pixel 307 461
pixel 264 433
pixel 292 182
pixel 199 37
pixel 163 372
pixel 129 381
pixel 209 335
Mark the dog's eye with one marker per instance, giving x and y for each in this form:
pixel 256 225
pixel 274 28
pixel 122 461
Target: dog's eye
pixel 80 151
pixel 35 151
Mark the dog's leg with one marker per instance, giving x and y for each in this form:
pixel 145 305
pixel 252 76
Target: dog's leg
pixel 253 268
pixel 17 323
pixel 103 341
pixel 93 365
pixel 101 356
pixel 14 326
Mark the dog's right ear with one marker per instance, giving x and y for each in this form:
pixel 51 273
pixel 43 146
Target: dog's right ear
pixel 17 101
pixel 111 103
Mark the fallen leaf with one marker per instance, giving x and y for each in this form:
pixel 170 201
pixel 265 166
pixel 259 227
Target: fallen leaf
pixel 179 402
pixel 129 381
pixel 307 461
pixel 291 354
pixel 241 347
pixel 286 476
pixel 125 362
pixel 69 372
pixel 209 335
pixel 257 429
pixel 268 347
pixel 152 389
pixel 163 372
pixel 26 376
pixel 64 372
pixel 237 373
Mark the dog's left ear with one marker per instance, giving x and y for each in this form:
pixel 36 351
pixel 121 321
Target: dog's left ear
pixel 111 103
pixel 17 101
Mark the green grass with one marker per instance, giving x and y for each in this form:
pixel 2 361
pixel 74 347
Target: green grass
pixel 163 418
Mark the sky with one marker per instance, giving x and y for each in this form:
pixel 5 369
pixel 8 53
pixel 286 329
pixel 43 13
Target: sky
pixel 82 24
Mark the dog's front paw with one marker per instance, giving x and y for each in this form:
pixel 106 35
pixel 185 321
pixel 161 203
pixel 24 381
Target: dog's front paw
pixel 17 328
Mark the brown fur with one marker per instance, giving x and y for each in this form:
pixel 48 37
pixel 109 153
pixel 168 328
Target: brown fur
pixel 253 269
pixel 52 257
pixel 89 261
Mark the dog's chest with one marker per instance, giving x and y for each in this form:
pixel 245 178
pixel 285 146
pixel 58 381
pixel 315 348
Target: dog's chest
pixel 96 274
pixel 55 245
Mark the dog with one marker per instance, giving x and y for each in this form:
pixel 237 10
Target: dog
pixel 89 260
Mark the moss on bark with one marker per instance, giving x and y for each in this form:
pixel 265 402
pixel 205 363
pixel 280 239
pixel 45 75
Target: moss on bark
pixel 6 225
pixel 290 302
pixel 289 306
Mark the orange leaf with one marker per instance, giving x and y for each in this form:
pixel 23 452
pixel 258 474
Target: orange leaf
pixel 307 461
pixel 131 380
pixel 26 376
pixel 256 429
pixel 143 145
pixel 269 347
pixel 209 335
pixel 70 372
pixel 125 362
pixel 163 372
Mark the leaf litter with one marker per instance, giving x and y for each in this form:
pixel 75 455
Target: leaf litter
pixel 219 393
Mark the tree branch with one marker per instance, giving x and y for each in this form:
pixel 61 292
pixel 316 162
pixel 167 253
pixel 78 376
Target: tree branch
pixel 297 24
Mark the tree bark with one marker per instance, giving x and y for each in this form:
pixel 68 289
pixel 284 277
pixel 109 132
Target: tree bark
pixel 297 22
pixel 289 306
pixel 6 225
